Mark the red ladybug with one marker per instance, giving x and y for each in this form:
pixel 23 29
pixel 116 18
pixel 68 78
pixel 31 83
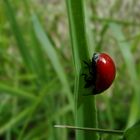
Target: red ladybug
pixel 101 74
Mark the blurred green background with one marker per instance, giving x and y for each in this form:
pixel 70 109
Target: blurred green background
pixel 37 73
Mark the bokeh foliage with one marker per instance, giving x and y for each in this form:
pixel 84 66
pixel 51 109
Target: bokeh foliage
pixel 37 72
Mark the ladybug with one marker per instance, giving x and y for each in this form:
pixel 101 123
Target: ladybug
pixel 101 73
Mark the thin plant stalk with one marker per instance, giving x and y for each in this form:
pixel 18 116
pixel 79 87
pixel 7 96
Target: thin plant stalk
pixel 85 111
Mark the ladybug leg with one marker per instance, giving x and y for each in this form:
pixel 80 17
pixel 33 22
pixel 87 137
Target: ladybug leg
pixel 88 80
pixel 85 77
pixel 90 77
pixel 88 65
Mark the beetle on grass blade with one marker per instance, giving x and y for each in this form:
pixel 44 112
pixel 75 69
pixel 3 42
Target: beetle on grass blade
pixel 101 73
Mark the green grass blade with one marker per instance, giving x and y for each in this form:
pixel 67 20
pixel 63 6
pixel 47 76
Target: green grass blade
pixel 52 55
pixel 90 33
pixel 16 119
pixel 84 105
pixel 37 51
pixel 18 35
pixel 16 92
pixel 40 100
pixel 125 49
pixel 119 22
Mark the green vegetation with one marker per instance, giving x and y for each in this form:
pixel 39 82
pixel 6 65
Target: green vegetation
pixel 42 48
